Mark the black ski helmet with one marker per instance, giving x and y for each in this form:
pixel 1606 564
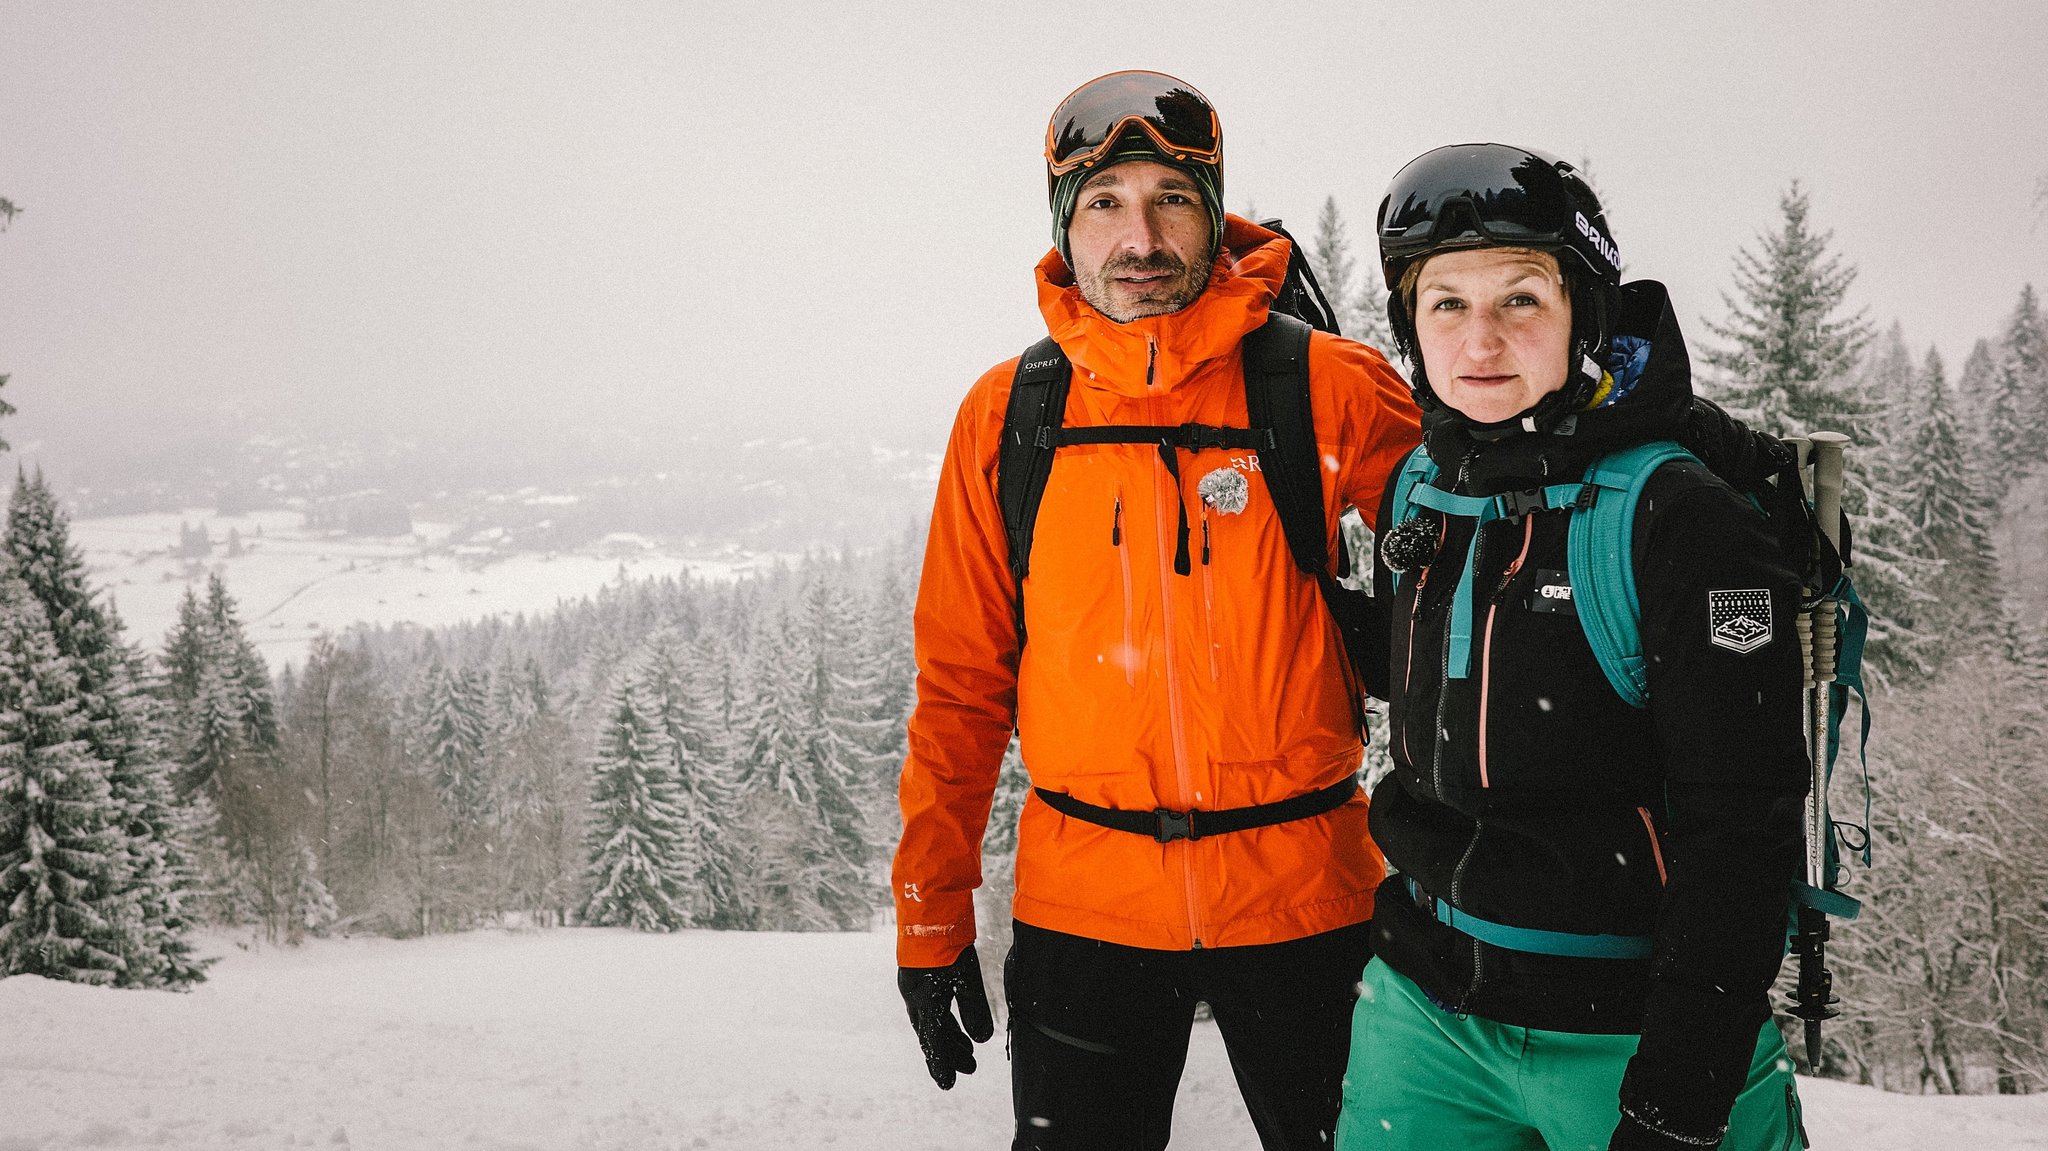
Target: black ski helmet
pixel 1500 196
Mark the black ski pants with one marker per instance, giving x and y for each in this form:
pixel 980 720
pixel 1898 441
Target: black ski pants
pixel 1099 1035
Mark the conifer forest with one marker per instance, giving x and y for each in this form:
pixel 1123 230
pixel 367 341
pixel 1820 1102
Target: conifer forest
pixel 686 753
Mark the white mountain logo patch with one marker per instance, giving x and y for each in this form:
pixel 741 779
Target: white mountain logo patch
pixel 1739 620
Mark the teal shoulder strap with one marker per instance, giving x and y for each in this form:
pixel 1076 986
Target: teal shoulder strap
pixel 1418 468
pixel 1601 562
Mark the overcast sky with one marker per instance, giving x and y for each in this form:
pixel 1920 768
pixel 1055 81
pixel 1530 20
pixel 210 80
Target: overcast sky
pixel 823 217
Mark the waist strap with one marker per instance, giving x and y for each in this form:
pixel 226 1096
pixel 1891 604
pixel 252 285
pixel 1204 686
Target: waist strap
pixel 1166 825
pixel 1530 939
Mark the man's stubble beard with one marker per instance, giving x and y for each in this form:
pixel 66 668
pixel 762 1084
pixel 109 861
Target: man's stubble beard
pixel 1183 285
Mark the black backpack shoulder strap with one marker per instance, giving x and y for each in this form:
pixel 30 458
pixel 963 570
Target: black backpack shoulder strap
pixel 1276 398
pixel 1276 393
pixel 1038 405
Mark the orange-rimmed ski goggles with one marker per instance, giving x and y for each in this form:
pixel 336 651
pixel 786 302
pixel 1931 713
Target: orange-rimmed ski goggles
pixel 1088 123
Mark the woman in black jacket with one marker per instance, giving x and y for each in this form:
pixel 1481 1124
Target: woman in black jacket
pixel 1589 900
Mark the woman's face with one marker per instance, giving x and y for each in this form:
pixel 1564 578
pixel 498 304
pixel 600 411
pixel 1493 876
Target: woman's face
pixel 1494 326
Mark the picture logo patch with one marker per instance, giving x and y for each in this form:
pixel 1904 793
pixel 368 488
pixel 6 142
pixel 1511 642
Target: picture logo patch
pixel 1552 592
pixel 1739 620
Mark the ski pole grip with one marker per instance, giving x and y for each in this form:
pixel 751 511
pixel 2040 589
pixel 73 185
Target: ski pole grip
pixel 1827 450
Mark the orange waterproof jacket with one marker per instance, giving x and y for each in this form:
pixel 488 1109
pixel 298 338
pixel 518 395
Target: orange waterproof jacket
pixel 1141 688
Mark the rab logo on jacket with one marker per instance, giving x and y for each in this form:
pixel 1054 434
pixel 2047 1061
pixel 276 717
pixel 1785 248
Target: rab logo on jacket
pixel 1739 620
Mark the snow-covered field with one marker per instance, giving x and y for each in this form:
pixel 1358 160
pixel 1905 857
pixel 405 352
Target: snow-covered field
pixel 292 582
pixel 602 1039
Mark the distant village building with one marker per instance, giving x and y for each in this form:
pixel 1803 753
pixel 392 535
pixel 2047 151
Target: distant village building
pixel 193 542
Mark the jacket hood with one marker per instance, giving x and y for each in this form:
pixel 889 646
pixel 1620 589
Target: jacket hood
pixel 1247 274
pixel 1655 409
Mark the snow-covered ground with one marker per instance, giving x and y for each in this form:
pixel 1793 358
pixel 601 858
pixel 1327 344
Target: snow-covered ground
pixel 292 582
pixel 602 1039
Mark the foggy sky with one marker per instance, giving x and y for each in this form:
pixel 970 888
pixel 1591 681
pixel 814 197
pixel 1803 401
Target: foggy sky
pixel 823 217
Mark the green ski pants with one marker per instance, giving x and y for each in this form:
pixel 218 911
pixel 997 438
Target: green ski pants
pixel 1422 1078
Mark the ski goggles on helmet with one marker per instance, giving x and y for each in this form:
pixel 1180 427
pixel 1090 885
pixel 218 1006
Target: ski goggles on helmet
pixel 1480 195
pixel 1088 123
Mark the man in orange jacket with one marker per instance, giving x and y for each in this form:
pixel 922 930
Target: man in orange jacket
pixel 1152 682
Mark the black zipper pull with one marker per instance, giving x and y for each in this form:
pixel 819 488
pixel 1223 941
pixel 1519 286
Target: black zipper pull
pixel 1116 525
pixel 1181 564
pixel 1205 538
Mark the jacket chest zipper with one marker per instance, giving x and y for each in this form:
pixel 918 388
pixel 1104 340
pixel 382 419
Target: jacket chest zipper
pixel 1442 734
pixel 1441 737
pixel 1129 652
pixel 1408 656
pixel 1208 598
pixel 1486 641
pixel 1458 899
pixel 1175 722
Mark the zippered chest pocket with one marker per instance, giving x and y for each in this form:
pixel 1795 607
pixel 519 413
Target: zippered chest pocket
pixel 1546 717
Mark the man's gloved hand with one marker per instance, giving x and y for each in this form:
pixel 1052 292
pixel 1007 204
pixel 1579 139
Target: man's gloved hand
pixel 930 993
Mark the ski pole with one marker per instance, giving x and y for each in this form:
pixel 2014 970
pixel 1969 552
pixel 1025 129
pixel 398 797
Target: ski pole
pixel 1821 460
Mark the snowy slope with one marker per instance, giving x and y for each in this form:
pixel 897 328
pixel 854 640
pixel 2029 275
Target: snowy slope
pixel 598 1039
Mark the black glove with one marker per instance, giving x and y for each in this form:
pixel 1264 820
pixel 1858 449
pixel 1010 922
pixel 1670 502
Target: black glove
pixel 929 992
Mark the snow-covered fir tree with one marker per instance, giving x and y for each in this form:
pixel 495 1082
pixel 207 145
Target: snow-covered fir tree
pixel 452 725
pixel 224 715
pixel 225 740
pixel 1943 499
pixel 842 737
pixel 704 793
pixel 890 663
pixel 124 728
pixel 635 877
pixel 539 796
pixel 312 906
pixel 66 911
pixel 1786 346
pixel 2015 403
pixel 1353 291
pixel 1792 362
pixel 799 770
pixel 1894 567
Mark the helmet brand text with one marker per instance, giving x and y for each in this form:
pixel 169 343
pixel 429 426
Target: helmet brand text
pixel 1601 244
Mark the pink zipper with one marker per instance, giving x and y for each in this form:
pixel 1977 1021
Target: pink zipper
pixel 1486 646
pixel 1656 851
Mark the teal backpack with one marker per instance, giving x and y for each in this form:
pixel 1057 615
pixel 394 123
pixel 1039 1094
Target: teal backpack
pixel 1599 555
pixel 1598 551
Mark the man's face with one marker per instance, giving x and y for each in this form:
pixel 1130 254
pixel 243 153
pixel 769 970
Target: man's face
pixel 1140 240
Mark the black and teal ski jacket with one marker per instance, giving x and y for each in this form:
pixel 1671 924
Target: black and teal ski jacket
pixel 1529 794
